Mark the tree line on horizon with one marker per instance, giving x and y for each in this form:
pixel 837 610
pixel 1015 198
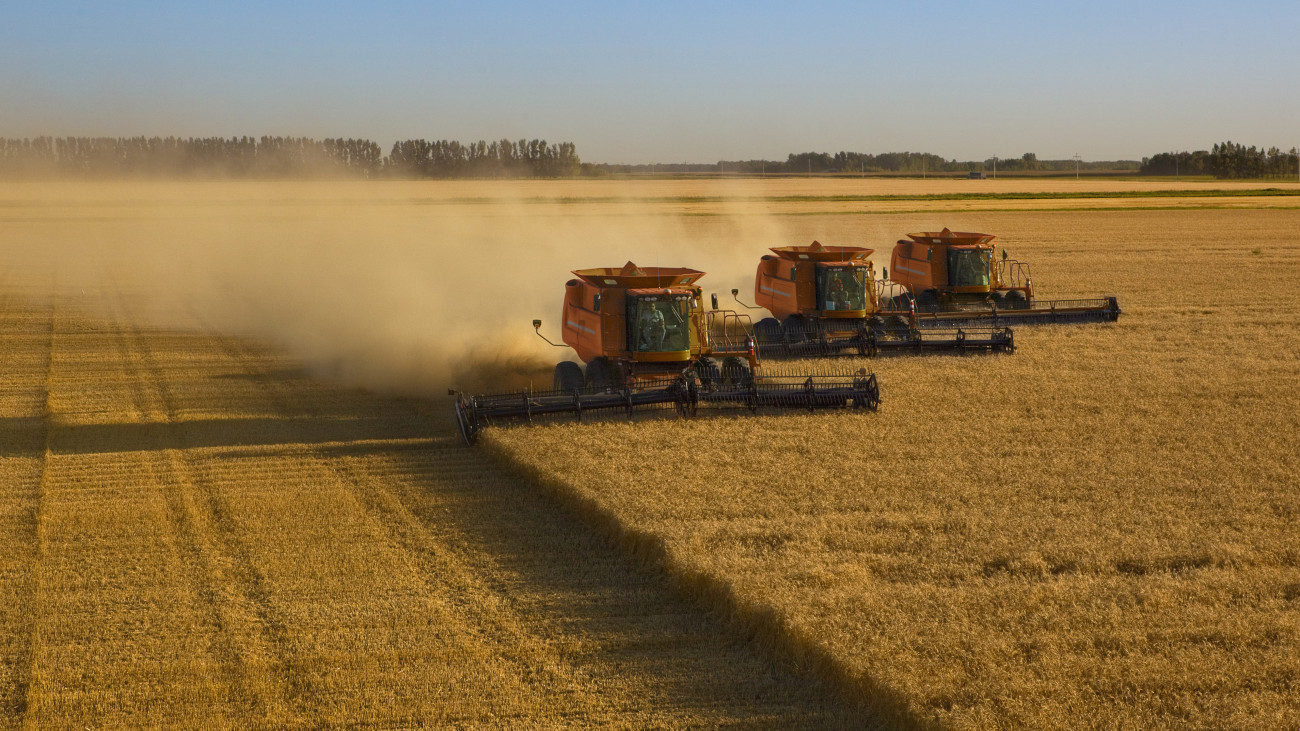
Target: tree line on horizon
pixel 848 163
pixel 298 157
pixel 280 157
pixel 1226 160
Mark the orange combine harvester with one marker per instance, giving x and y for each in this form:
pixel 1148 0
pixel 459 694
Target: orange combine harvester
pixel 952 276
pixel 825 300
pixel 647 342
pixel 948 292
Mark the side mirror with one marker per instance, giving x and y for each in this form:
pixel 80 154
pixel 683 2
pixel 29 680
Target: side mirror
pixel 884 272
pixel 595 303
pixel 714 298
pixel 1004 255
pixel 537 328
pixel 735 292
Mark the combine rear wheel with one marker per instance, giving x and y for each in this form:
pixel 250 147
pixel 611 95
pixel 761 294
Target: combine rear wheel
pixel 1016 300
pixel 568 376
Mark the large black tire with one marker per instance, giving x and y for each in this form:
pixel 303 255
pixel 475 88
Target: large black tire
pixel 927 301
pixel 794 329
pixel 768 330
pixel 901 303
pixel 1016 300
pixel 998 299
pixel 708 373
pixel 568 376
pixel 601 374
pixel 735 373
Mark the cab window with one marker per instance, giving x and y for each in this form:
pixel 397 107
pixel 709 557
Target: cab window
pixel 842 288
pixel 968 267
pixel 660 324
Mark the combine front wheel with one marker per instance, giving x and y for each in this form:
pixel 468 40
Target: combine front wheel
pixel 927 301
pixel 795 329
pixel 768 330
pixel 735 373
pixel 601 374
pixel 707 371
pixel 568 377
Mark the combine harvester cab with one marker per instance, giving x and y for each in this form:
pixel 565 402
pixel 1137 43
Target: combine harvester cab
pixel 953 277
pixel 648 343
pixel 825 301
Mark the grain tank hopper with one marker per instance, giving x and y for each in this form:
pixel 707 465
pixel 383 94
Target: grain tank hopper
pixel 647 342
pixel 947 277
pixel 824 300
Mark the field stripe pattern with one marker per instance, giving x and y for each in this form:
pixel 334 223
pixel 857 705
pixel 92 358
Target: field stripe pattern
pixel 226 542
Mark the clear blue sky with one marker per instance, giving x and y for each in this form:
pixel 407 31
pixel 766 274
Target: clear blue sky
pixel 667 81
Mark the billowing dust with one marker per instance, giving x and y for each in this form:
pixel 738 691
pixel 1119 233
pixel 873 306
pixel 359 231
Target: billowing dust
pixel 400 287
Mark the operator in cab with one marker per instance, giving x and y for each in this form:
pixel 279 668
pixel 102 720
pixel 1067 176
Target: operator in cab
pixel 653 328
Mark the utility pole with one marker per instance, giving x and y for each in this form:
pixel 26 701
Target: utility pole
pixel 1076 165
pixel 995 167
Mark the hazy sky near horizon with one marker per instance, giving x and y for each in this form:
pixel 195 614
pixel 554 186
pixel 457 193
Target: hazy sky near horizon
pixel 666 81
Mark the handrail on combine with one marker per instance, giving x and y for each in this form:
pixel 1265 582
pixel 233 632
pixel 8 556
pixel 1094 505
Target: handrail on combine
pixel 733 331
pixel 1013 274
pixel 888 290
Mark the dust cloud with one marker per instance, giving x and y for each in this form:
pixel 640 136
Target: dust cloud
pixel 407 288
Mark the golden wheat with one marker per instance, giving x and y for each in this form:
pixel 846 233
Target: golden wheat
pixel 1098 530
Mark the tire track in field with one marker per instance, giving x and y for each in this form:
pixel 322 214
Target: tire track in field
pixel 231 591
pixel 562 603
pixel 664 661
pixel 147 602
pixel 479 601
pixel 26 338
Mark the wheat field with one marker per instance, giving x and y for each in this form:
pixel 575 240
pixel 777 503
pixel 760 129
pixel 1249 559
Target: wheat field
pixel 231 495
pixel 1098 531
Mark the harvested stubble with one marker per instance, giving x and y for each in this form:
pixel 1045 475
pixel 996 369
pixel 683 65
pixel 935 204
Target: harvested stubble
pixel 194 534
pixel 1098 531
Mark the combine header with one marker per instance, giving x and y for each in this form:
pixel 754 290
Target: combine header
pixel 951 277
pixel 825 301
pixel 648 343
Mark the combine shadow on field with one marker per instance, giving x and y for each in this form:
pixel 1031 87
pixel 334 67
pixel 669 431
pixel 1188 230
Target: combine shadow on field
pixel 668 660
pixel 579 580
pixel 22 436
